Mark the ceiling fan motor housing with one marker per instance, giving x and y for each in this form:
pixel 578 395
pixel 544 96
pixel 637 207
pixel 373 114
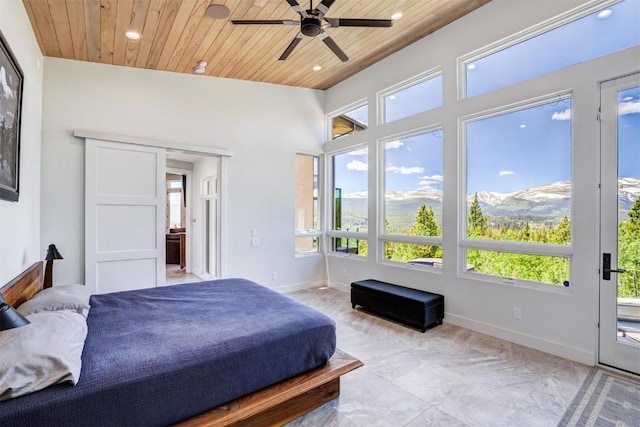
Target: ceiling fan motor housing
pixel 310 26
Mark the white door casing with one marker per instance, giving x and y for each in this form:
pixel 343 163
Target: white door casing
pixel 124 216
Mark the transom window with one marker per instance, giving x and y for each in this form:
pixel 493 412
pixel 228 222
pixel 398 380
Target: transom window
pixel 554 45
pixel 420 94
pixel 351 121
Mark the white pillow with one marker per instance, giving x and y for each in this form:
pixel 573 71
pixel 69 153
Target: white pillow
pixel 47 351
pixel 67 297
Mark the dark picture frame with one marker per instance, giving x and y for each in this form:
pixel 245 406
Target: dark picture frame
pixel 11 80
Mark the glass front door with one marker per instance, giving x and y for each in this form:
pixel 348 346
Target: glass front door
pixel 620 224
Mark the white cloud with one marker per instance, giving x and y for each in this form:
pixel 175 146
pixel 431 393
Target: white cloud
pixel 562 115
pixel 430 182
pixel 393 144
pixel 357 165
pixel 506 173
pixel 432 178
pixel 628 108
pixel 405 170
pixel 360 152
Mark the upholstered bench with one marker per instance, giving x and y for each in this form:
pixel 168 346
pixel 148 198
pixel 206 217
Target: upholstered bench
pixel 415 308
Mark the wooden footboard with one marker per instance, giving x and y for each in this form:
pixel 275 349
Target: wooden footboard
pixel 274 405
pixel 282 402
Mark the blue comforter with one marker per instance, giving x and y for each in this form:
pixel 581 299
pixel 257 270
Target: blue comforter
pixel 158 356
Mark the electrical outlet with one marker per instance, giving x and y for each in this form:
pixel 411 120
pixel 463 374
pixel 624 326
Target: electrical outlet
pixel 274 276
pixel 517 313
pixel 255 241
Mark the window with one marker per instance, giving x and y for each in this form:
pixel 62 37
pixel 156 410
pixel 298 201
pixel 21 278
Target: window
pixel 413 198
pixel 554 45
pixel 350 202
pixel 306 214
pixel 518 192
pixel 351 121
pixel 421 94
pixel 176 210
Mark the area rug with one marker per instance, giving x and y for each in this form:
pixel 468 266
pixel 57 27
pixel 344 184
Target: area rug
pixel 605 399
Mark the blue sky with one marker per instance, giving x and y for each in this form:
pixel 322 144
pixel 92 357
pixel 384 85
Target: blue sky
pixel 629 133
pixel 522 149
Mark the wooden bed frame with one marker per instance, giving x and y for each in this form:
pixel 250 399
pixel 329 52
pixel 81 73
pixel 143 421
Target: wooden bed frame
pixel 274 405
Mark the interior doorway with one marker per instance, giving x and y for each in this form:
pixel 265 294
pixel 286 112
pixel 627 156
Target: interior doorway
pixel 192 218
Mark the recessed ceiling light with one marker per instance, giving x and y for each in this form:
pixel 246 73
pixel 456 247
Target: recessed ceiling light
pixel 218 11
pixel 471 66
pixel 604 14
pixel 317 68
pixel 132 35
pixel 523 126
pixel 397 16
pixel 392 97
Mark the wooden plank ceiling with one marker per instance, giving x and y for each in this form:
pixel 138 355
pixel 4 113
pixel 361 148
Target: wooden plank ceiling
pixel 177 34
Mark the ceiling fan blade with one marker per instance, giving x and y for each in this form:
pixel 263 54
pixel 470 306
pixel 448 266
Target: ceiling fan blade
pixel 348 22
pixel 333 46
pixel 299 9
pixel 264 21
pixel 323 7
pixel 291 46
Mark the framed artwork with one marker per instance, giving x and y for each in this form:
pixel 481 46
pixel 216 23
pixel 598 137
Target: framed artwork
pixel 11 78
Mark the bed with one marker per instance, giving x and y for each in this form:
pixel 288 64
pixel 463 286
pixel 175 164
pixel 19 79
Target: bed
pixel 226 352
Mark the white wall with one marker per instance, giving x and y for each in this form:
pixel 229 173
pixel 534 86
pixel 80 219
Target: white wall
pixel 262 124
pixel 564 323
pixel 20 222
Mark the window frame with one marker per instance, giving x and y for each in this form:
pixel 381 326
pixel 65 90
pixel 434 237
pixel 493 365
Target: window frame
pixel 331 233
pixel 398 87
pixel 381 234
pixel 317 232
pixel 528 33
pixel 527 248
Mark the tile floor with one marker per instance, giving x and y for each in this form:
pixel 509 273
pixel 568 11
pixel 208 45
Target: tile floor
pixel 177 275
pixel 448 376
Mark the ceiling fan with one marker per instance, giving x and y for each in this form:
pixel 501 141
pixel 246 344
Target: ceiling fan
pixel 313 23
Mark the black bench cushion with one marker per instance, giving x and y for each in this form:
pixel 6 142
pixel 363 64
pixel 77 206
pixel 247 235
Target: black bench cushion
pixel 375 286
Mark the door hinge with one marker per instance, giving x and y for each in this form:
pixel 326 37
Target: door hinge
pixel 599 116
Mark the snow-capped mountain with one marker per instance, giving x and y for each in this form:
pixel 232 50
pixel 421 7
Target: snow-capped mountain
pixel 545 202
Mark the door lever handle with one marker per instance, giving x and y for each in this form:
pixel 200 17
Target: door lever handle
pixel 606 267
pixel 619 270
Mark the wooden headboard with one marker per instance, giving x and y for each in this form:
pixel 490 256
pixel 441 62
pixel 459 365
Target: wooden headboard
pixel 25 286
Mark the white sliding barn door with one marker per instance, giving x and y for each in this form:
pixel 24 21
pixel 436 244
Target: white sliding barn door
pixel 124 216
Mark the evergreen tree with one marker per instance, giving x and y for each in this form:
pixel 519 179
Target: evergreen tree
pixel 562 233
pixel 425 224
pixel 476 221
pixel 634 213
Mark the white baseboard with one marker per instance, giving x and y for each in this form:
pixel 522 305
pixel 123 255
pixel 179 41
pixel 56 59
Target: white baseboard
pixel 340 286
pixel 541 344
pixel 299 286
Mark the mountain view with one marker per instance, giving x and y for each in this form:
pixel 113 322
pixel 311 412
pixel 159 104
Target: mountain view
pixel 545 204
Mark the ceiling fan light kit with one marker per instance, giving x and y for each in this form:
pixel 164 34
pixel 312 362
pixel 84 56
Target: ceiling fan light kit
pixel 313 23
pixel 200 68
